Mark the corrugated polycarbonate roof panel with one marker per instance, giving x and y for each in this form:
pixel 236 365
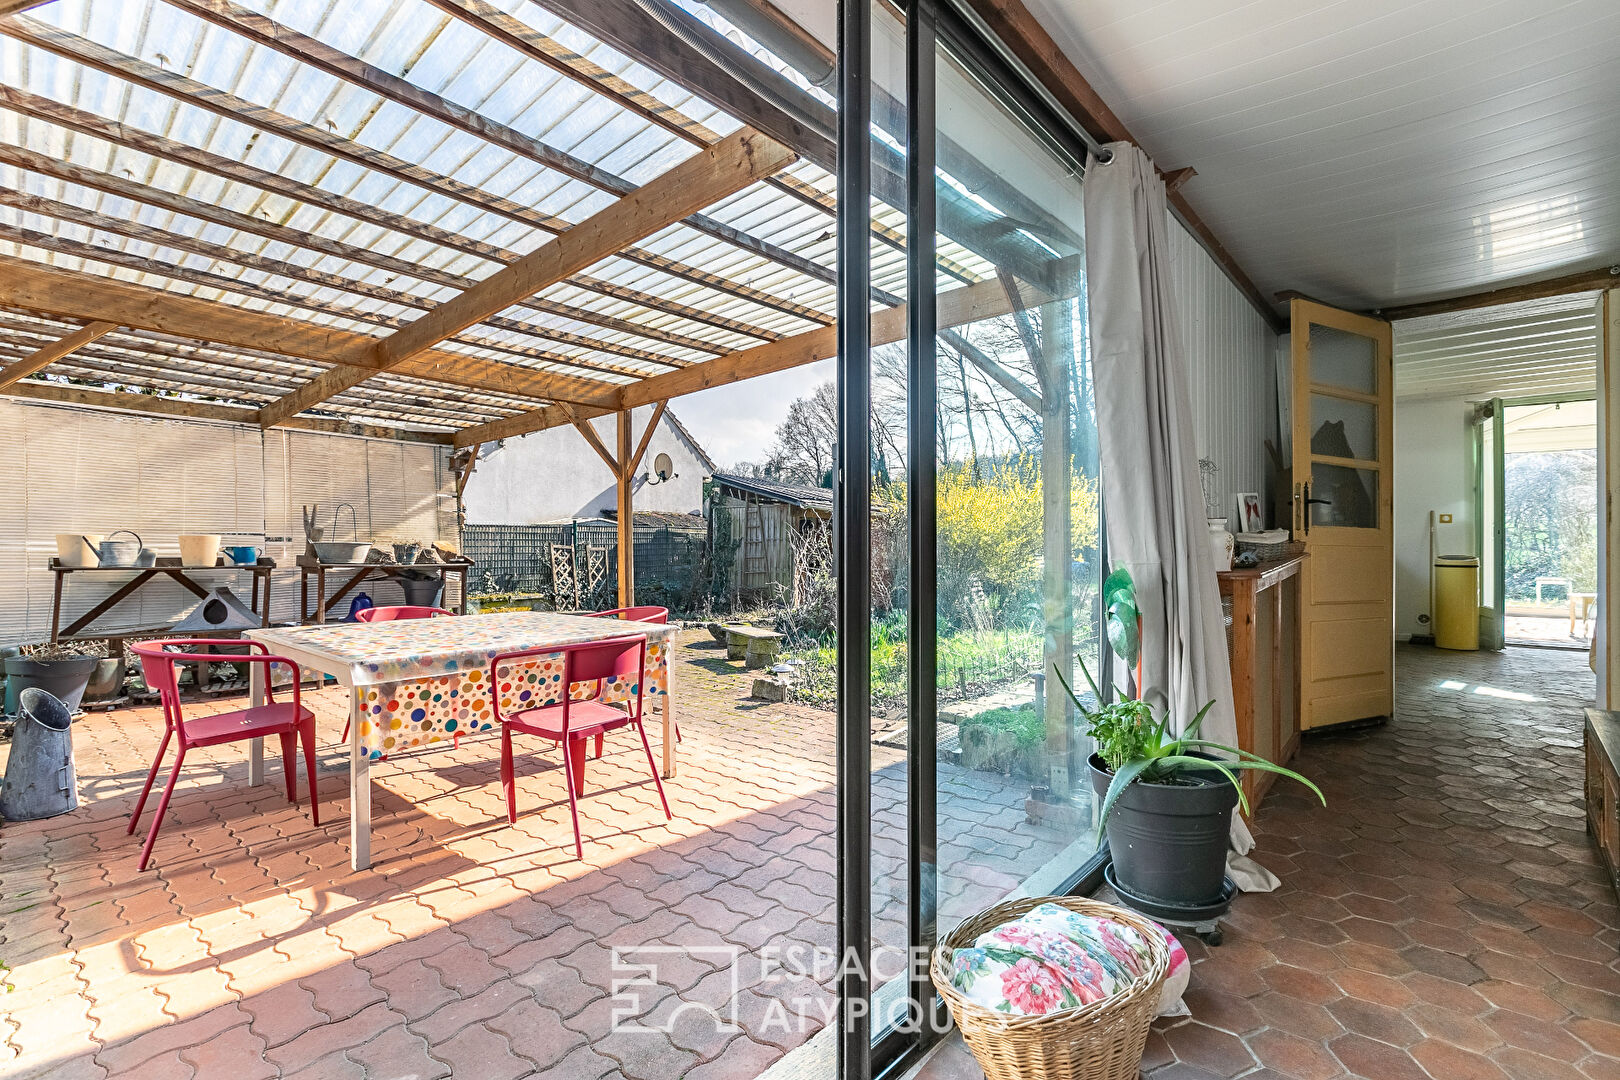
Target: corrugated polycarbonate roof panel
pixel 410 210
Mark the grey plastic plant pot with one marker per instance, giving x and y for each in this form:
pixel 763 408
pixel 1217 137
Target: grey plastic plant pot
pixel 62 679
pixel 1169 841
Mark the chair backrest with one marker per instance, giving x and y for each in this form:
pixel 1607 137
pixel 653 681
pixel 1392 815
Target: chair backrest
pixel 646 614
pixel 616 658
pixel 403 611
pixel 158 668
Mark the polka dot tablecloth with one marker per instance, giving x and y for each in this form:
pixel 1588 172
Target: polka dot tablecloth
pixel 423 681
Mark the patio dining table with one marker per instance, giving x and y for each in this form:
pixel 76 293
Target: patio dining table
pixel 417 683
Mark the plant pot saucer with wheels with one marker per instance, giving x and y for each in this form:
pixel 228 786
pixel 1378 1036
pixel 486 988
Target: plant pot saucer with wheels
pixel 1203 920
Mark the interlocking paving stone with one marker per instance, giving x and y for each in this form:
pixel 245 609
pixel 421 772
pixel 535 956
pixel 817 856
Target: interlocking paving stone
pixel 1444 918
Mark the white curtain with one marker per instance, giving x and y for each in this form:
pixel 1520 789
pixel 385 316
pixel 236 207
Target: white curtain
pixel 1153 504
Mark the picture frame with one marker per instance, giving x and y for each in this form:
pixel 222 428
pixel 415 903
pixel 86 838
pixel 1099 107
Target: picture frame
pixel 1251 517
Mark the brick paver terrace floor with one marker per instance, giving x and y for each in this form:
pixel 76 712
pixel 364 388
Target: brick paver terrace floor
pixel 472 948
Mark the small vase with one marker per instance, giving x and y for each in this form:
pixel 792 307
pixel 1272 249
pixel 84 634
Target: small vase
pixel 1221 543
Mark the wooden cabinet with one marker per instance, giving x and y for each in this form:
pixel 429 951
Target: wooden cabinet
pixel 1265 664
pixel 1603 787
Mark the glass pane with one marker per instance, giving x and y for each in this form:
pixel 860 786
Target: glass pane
pixel 1344 498
pixel 1340 358
pixel 1017 514
pixel 1345 429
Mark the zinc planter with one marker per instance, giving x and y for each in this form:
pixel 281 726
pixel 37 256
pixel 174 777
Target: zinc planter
pixel 1169 841
pixel 64 680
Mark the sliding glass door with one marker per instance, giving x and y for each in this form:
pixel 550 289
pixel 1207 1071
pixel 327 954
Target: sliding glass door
pixel 969 519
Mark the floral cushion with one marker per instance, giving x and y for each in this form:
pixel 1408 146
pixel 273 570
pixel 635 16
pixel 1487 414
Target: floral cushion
pixel 1050 958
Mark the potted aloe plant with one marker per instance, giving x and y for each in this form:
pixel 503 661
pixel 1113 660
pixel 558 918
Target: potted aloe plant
pixel 1167 799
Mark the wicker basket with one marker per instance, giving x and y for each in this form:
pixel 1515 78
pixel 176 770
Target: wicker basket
pixel 1100 1041
pixel 1282 549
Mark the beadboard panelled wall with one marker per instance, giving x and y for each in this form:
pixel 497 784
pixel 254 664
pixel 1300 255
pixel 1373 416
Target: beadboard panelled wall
pixel 1231 371
pixel 66 470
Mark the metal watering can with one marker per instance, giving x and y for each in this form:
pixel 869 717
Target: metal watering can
pixel 120 552
pixel 40 780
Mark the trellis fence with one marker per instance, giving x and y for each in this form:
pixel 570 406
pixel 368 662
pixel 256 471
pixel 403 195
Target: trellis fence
pixel 574 565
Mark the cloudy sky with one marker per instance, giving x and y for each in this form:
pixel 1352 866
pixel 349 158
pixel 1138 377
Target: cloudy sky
pixel 738 422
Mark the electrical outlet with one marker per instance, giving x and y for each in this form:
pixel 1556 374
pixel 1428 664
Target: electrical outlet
pixel 1445 519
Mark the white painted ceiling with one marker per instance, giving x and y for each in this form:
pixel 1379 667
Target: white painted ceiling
pixel 1374 152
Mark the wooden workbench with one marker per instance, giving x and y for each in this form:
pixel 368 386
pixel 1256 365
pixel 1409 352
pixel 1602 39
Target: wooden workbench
pixel 165 567
pixel 1265 663
pixel 358 572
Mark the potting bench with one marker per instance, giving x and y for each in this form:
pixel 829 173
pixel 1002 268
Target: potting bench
pixel 169 567
pixel 309 568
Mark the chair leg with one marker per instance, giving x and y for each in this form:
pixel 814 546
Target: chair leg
pixel 151 775
pixel 599 744
pixel 647 746
pixel 289 764
pixel 162 808
pixel 346 724
pixel 306 735
pixel 576 766
pixel 571 755
pixel 508 782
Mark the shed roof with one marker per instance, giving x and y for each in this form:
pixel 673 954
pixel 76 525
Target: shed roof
pixel 809 498
pixel 464 219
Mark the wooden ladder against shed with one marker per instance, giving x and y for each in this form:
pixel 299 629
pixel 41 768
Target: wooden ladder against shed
pixel 754 570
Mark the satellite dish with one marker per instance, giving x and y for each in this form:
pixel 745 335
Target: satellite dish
pixel 663 467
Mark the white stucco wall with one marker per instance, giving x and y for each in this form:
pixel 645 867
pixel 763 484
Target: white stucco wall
pixel 554 475
pixel 1434 470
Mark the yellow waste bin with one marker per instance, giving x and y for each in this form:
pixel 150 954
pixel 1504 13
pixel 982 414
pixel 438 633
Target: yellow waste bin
pixel 1456 601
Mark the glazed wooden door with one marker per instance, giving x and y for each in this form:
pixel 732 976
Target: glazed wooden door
pixel 1342 509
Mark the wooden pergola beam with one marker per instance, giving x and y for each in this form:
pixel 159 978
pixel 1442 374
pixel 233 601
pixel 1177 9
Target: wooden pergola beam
pixel 31 287
pixel 83 51
pixel 264 31
pixel 705 178
pixel 50 354
pixel 958 307
pixel 207 410
pixel 12 7
pixel 66 116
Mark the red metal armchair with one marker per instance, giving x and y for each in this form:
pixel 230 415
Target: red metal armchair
pixel 291 722
pixel 646 614
pixel 635 614
pixel 402 611
pixel 571 723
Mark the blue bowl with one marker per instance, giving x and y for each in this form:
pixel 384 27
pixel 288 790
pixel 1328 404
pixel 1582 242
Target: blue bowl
pixel 243 554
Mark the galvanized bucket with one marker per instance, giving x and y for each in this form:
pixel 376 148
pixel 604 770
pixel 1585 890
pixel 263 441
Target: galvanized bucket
pixel 40 780
pixel 121 552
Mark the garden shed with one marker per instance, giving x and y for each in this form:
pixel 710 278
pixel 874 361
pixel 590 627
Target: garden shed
pixel 768 525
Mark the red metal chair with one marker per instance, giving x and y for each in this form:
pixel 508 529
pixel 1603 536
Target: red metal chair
pixel 572 723
pixel 391 614
pixel 289 722
pixel 403 611
pixel 635 614
pixel 647 614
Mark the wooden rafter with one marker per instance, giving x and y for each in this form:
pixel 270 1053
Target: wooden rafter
pixel 50 354
pixel 92 54
pixel 221 253
pixel 32 287
pixel 583 426
pixel 705 178
pixel 78 120
pixel 646 438
pixel 1604 277
pixel 958 307
pixel 206 410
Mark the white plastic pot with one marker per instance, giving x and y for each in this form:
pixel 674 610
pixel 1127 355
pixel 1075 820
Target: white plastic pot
pixel 79 549
pixel 199 549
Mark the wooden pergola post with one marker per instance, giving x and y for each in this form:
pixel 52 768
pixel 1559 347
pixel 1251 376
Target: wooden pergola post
pixel 627 519
pixel 622 465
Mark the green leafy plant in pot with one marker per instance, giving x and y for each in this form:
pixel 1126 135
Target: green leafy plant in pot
pixel 1167 799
